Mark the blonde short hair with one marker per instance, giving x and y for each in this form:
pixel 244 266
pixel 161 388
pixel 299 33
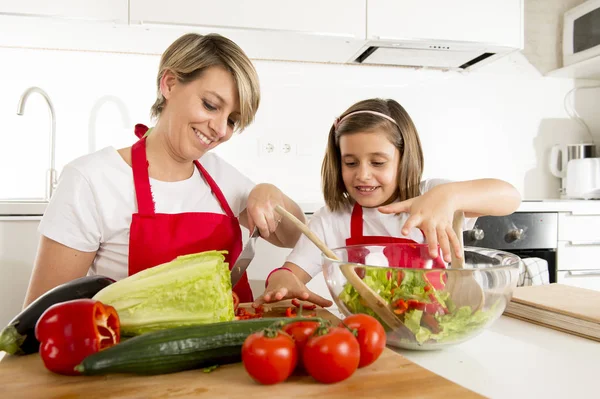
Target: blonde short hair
pixel 403 134
pixel 191 54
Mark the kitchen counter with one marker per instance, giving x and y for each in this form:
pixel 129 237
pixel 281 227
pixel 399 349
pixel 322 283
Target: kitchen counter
pixel 556 205
pixel 37 207
pixel 532 205
pixel 515 359
pixel 22 208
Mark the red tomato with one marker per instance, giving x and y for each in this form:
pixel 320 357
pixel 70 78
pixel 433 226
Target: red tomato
pixel 371 337
pixel 269 360
pixel 301 331
pixel 333 356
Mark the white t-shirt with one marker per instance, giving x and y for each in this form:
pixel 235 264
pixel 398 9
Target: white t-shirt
pixel 92 206
pixel 333 228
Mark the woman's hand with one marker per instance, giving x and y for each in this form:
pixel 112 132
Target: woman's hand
pixel 432 212
pixel 261 208
pixel 284 284
pixel 260 212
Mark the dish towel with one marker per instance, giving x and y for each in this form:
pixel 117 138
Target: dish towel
pixel 533 271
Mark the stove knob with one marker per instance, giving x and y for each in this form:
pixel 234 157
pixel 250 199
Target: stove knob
pixel 515 234
pixel 476 234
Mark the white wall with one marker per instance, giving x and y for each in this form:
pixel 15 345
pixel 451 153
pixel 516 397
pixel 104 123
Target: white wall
pixel 499 121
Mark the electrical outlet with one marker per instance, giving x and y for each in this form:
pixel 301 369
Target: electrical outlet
pixel 266 147
pixel 287 148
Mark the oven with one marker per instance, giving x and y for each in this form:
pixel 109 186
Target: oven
pixel 525 234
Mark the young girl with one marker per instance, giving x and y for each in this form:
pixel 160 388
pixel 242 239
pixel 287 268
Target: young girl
pixel 374 194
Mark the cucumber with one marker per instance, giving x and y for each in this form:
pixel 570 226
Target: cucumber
pixel 176 349
pixel 18 337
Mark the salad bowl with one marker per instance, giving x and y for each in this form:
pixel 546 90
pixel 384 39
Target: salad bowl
pixel 419 290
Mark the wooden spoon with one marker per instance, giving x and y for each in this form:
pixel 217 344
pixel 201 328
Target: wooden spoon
pixel 375 302
pixel 461 284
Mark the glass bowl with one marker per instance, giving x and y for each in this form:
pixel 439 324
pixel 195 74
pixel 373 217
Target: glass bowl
pixel 419 290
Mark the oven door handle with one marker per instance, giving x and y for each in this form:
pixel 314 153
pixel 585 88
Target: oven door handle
pixel 583 273
pixel 584 243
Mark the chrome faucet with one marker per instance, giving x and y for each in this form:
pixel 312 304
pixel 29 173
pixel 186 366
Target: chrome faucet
pixel 51 175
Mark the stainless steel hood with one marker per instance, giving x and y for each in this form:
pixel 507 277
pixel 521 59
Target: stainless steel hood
pixel 444 55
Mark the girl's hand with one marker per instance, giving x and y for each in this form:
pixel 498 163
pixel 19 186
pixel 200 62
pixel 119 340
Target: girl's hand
pixel 284 284
pixel 261 208
pixel 432 212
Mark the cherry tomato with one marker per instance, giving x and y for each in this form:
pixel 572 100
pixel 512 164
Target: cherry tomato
pixel 371 337
pixel 332 355
pixel 269 359
pixel 301 331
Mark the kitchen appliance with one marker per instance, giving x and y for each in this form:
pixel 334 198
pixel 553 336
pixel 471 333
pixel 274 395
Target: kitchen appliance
pixel 561 154
pixel 438 54
pixel 581 36
pixel 525 234
pixel 583 178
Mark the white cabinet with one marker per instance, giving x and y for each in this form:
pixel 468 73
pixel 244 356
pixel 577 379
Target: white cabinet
pixel 282 30
pixel 497 22
pixel 100 10
pixel 18 247
pixel 578 251
pixel 331 17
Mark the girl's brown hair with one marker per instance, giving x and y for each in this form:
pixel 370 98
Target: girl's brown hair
pixel 403 135
pixel 191 54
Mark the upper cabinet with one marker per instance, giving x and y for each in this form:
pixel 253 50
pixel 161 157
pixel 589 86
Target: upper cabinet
pixel 105 10
pixel 345 18
pixel 442 34
pixel 495 22
pixel 284 30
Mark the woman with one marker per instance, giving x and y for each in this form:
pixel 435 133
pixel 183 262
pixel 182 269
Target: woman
pixel 117 212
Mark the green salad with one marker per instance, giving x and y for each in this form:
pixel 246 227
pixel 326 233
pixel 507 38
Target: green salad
pixel 418 298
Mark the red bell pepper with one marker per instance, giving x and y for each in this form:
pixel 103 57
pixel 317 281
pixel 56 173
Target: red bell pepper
pixel 437 279
pixel 305 306
pixel 70 331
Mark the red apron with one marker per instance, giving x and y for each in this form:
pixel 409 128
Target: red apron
pixel 156 238
pixel 409 255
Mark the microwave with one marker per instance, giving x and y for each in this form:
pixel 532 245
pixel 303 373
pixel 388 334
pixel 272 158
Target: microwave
pixel 581 32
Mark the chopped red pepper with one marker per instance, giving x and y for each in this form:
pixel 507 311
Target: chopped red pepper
pixel 400 306
pixel 243 314
pixel 70 331
pixel 306 306
pixel 290 313
pixel 436 279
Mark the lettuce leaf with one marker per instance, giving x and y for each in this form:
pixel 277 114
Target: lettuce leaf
pixel 191 289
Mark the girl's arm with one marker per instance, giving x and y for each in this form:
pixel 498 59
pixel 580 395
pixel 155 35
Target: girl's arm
pixel 287 284
pixel 433 211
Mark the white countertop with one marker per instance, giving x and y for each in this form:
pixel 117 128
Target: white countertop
pixel 530 205
pixel 514 359
pixel 37 207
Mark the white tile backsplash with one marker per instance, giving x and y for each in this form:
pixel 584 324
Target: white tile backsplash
pixel 499 121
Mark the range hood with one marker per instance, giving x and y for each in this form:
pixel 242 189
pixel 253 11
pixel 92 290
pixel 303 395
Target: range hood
pixel 445 55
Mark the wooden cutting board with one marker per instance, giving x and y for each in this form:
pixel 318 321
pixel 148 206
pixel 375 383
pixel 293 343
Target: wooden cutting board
pixel 390 376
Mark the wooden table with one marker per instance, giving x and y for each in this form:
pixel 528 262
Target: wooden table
pixel 390 376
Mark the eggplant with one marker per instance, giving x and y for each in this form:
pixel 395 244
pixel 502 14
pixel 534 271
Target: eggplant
pixel 18 337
